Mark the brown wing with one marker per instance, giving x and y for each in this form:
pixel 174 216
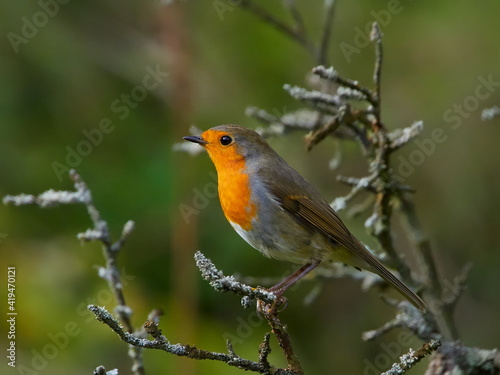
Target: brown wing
pixel 319 216
pixel 322 218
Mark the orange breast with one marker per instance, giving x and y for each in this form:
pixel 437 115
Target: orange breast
pixel 234 192
pixel 234 187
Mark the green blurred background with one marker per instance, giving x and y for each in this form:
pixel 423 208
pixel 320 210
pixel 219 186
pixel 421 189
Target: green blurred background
pixel 78 68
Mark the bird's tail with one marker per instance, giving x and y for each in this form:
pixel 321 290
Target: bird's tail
pixel 378 268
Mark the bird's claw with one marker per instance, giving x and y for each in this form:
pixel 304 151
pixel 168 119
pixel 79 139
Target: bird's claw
pixel 267 309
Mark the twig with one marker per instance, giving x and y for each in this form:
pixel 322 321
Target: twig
pixel 264 15
pixel 456 358
pixel 314 97
pixel 160 342
pixel 375 333
pixel 409 318
pixel 320 134
pixel 297 17
pixel 380 221
pixel 459 286
pixel 302 119
pixel 376 37
pixel 490 113
pixel 340 203
pixel 100 370
pixel 427 265
pixel 279 331
pixel 357 183
pixel 399 138
pixel 222 283
pixel 100 232
pixel 332 75
pixel 326 32
pixel 265 350
pixel 110 250
pixel 408 360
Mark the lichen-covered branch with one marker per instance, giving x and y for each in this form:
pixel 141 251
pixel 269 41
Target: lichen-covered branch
pixel 490 113
pixel 160 342
pixel 427 265
pixel 408 360
pixel 408 318
pixel 223 283
pixel 349 108
pixel 376 37
pixel 332 75
pixel 99 232
pixel 138 340
pixel 456 358
pixel 340 108
pixel 220 283
pixel 101 370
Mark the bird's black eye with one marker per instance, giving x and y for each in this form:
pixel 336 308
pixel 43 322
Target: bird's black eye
pixel 225 140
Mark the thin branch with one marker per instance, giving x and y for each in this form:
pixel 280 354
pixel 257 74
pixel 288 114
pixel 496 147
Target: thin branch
pixel 332 75
pixel 455 358
pixel 279 25
pixel 297 17
pixel 302 119
pixel 101 370
pixel 409 318
pixel 110 250
pixel 376 37
pixel 220 283
pixel 399 137
pixel 326 32
pixel 265 350
pixel 364 183
pixel 459 287
pixel 490 113
pixel 408 360
pixel 314 96
pixel 99 232
pixel 357 183
pixel 427 266
pixel 281 334
pixel 160 342
pixel 318 135
pixel 223 283
pixel 387 327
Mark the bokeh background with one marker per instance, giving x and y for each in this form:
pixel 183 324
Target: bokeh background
pixel 86 62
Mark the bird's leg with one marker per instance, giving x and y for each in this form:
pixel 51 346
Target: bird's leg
pixel 283 285
pixel 291 279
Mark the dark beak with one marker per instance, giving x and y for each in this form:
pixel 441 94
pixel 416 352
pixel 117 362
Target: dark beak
pixel 195 139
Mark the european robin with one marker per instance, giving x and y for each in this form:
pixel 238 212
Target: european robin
pixel 279 213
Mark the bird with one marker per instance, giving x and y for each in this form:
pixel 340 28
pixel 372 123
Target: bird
pixel 275 210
